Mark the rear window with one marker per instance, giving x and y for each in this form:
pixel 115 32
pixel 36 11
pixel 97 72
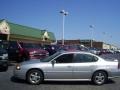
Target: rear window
pixel 82 58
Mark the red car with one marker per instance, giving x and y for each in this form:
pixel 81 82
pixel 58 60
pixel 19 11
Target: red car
pixel 20 51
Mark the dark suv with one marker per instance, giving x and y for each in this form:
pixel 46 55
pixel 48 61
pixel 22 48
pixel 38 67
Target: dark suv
pixel 51 48
pixel 20 51
pixel 3 58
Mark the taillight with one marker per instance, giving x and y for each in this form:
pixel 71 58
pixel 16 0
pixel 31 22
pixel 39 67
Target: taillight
pixel 20 51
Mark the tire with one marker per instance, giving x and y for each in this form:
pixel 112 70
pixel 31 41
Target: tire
pixel 99 77
pixel 34 77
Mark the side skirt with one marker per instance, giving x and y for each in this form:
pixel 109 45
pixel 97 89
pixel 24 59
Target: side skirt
pixel 67 79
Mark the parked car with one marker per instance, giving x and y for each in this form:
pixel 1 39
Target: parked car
pixel 94 51
pixel 3 59
pixel 51 48
pixel 103 51
pixel 74 48
pixel 117 50
pixel 66 48
pixel 35 50
pixel 68 65
pixel 20 51
pixel 111 51
pixel 83 48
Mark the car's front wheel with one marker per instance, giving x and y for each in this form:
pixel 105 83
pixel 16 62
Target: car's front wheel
pixel 34 77
pixel 99 77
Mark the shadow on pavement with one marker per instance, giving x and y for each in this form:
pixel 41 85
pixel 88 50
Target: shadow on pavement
pixel 73 82
pixel 3 71
pixel 15 80
pixel 67 83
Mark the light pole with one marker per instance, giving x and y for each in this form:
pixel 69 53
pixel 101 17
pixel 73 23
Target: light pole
pixel 91 41
pixel 64 13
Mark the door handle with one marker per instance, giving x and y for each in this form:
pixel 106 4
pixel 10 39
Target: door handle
pixel 69 66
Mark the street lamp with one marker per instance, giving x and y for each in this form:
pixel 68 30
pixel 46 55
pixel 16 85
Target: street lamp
pixel 91 41
pixel 64 13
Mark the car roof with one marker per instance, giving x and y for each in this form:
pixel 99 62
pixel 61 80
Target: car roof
pixel 75 51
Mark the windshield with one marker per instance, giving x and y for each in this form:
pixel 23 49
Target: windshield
pixel 47 59
pixel 31 45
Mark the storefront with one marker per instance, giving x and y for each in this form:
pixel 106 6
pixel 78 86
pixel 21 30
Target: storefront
pixel 4 30
pixel 15 32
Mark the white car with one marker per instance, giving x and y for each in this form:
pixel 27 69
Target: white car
pixel 68 65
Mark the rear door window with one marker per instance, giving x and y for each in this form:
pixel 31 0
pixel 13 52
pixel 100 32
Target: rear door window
pixel 65 58
pixel 82 58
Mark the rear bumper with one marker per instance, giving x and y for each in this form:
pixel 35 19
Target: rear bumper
pixel 115 74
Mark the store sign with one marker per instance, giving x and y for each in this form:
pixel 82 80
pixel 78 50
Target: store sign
pixel 4 28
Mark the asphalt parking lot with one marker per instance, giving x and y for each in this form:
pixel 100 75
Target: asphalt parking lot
pixel 7 82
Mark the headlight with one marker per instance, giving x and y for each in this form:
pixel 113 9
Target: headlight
pixel 33 52
pixel 18 67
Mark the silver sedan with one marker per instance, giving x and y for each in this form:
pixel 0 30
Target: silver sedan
pixel 68 66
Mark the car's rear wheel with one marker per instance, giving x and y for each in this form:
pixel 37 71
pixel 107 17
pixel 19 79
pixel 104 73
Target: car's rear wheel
pixel 99 77
pixel 34 77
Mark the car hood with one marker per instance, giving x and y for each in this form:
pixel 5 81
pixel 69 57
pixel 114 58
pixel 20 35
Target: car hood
pixel 35 49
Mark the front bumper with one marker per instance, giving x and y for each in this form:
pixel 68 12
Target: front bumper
pixel 19 74
pixel 38 56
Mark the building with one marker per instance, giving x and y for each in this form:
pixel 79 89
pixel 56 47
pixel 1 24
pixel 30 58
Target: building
pixel 15 32
pixel 69 42
pixel 87 43
pixel 97 44
pixel 113 47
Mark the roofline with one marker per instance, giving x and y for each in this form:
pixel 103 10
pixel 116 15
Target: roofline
pixel 77 51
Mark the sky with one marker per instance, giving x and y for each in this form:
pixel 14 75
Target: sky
pixel 103 15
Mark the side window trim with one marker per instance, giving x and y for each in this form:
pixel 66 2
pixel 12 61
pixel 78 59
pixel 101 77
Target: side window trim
pixel 61 55
pixel 56 57
pixel 74 61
